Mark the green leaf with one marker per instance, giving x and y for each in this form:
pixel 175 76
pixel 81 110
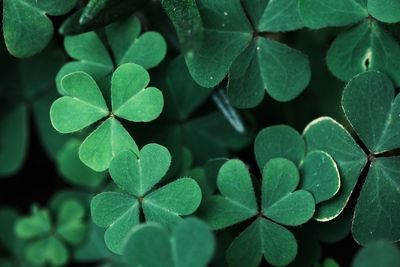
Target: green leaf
pixel 149 245
pixel 104 143
pixel 83 106
pixel 129 47
pixel 376 216
pixel 138 175
pixel 47 251
pixel 8 239
pixel 262 237
pixel 268 145
pixel 268 66
pixel 382 254
pixel 191 244
pixel 13 138
pixel 21 40
pixel 91 55
pixel 212 34
pixel 327 135
pixel 166 204
pixel 117 212
pixel 320 176
pixel 130 99
pixel 365 47
pixel 35 225
pixel 238 201
pixel 280 202
pixel 70 222
pixel 74 171
pixel 385 10
pixel 371 108
pixel 274 16
pixel 318 14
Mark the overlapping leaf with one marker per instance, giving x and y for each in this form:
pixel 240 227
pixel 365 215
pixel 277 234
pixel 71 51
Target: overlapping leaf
pixel 127 45
pixel 119 211
pixel 25 20
pixel 280 202
pixel 366 46
pixel 84 105
pixel 218 39
pixel 375 120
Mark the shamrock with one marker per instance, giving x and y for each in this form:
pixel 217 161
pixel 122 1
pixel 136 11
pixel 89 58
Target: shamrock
pixel 183 123
pixel 318 170
pixel 364 46
pixel 84 105
pixel 25 91
pixel 281 204
pixel 46 239
pixel 24 20
pixel 136 176
pixel 217 38
pixel 191 244
pixel 127 46
pixel 376 121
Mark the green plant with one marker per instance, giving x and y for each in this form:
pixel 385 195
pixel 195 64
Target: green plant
pixel 271 136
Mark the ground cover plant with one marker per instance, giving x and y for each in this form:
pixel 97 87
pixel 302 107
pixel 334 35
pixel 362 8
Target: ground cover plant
pixel 181 133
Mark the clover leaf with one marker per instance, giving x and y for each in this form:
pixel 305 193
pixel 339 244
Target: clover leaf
pixel 281 203
pixel 25 20
pixel 375 121
pixel 220 32
pixel 190 243
pixel 45 245
pixel 319 172
pixel 366 46
pixel 137 176
pixel 27 89
pixel 379 253
pixel 384 10
pixel 85 105
pixel 127 45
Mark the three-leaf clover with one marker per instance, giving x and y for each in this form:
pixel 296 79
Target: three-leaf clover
pixel 372 109
pixel 27 29
pixel 191 244
pixel 47 239
pixel 127 46
pixel 364 46
pixel 84 105
pixel 217 38
pixel 318 170
pixel 281 204
pixel 136 176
